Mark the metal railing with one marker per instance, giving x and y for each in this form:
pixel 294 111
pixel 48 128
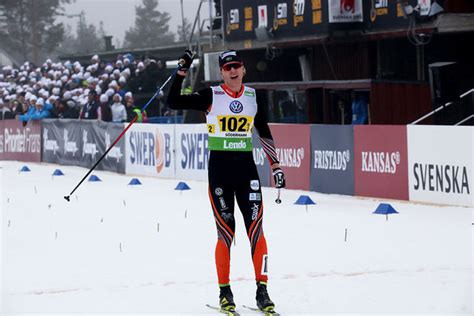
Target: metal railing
pixel 444 106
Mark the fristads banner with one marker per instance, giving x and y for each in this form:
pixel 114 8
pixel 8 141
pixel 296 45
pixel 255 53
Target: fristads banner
pixel 292 142
pixel 381 161
pixel 82 143
pixel 18 142
pixel 261 161
pixel 332 159
pixel 192 155
pixel 150 150
pixel 440 164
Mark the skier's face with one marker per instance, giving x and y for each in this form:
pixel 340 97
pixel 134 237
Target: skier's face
pixel 233 73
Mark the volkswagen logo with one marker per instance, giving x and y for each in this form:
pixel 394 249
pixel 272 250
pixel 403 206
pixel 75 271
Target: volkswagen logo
pixel 236 106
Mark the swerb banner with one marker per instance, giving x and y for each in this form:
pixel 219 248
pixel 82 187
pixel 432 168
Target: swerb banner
pixel 292 144
pixel 82 143
pixel 440 164
pixel 192 155
pixel 18 142
pixel 149 150
pixel 381 161
pixel 332 159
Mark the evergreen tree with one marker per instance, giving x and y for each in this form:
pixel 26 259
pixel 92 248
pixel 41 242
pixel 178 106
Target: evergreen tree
pixel 183 37
pixel 28 28
pixel 151 27
pixel 87 39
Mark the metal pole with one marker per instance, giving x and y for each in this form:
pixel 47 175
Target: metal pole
pixel 182 22
pixel 211 23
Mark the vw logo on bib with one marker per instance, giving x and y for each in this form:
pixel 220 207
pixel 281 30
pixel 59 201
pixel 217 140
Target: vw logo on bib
pixel 236 106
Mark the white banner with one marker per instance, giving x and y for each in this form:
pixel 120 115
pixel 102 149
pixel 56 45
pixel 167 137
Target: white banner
pixel 440 164
pixel 342 11
pixel 192 155
pixel 149 150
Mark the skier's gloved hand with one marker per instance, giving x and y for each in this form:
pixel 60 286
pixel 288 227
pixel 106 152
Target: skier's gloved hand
pixel 185 61
pixel 279 178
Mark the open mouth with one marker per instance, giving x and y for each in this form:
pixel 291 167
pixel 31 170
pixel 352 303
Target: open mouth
pixel 234 77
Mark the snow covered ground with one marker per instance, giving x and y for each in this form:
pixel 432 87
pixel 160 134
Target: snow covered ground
pixel 149 249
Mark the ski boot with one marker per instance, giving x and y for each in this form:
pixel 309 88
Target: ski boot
pixel 264 303
pixel 226 299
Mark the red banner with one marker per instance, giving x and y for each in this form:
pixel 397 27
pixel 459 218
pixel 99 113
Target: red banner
pixel 18 142
pixel 292 143
pixel 381 161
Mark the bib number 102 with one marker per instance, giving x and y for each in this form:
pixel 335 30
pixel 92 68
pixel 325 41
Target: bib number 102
pixel 234 124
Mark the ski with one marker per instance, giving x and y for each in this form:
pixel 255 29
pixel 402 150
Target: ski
pixel 266 313
pixel 222 311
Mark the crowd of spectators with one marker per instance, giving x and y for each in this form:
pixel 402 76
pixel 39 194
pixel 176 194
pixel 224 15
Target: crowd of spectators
pixel 111 92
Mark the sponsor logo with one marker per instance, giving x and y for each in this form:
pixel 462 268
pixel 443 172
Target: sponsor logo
pixel 331 159
pixel 227 217
pixel 255 197
pixel 218 92
pixel 264 265
pixel 233 20
pixel 347 6
pixel 88 148
pixel 70 147
pixel 49 144
pixel 298 11
pixel 115 152
pixel 222 202
pixel 194 151
pixel 218 191
pixel 280 15
pixel 1 143
pixel 21 141
pixel 380 162
pixel 290 157
pixel 160 151
pixel 236 107
pixel 142 147
pixel 254 185
pixel 262 16
pixel 255 208
pixel 258 156
pixel 249 93
pixel 441 178
pixel 235 145
pixel 379 7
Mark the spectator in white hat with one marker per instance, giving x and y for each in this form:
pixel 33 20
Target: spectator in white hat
pixel 119 114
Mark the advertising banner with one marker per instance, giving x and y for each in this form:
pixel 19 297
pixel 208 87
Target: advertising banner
pixel 332 159
pixel 192 155
pixel 440 164
pixel 150 150
pixel 261 161
pixel 342 11
pixel 18 142
pixel 82 143
pixel 243 19
pixel 381 161
pixel 292 142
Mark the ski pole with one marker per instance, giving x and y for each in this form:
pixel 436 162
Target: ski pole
pixel 160 89
pixel 278 200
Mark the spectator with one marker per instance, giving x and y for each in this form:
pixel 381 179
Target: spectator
pixel 5 111
pixel 119 114
pixel 359 109
pixel 105 113
pixel 90 110
pixel 62 110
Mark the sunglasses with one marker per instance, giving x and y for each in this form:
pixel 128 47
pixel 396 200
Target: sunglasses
pixel 230 66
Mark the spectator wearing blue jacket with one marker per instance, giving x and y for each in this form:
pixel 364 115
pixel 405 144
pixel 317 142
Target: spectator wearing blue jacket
pixel 37 111
pixel 359 109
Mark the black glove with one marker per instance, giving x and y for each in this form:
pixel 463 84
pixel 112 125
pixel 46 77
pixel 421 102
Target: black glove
pixel 279 178
pixel 185 61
